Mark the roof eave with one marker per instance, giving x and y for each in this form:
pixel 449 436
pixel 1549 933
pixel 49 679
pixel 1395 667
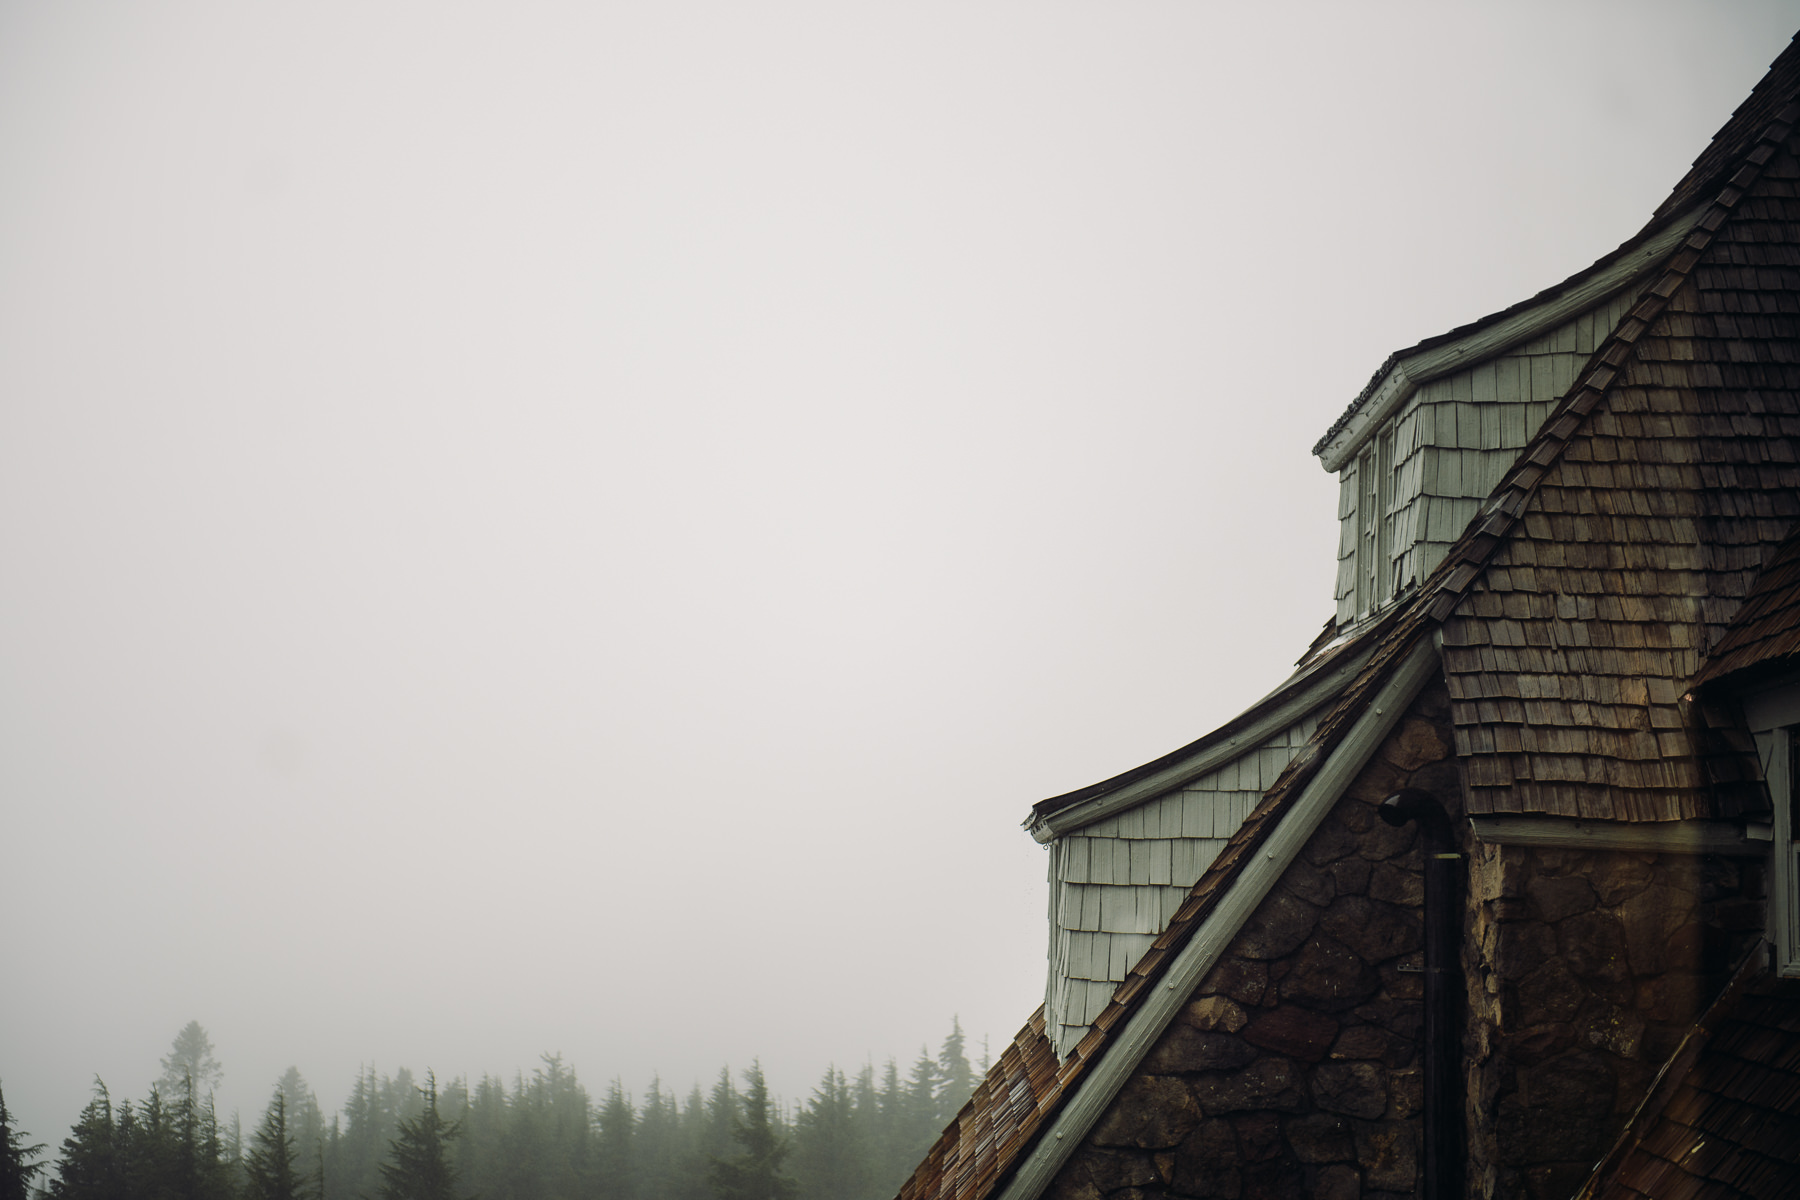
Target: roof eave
pixel 1305 691
pixel 1396 382
pixel 1259 871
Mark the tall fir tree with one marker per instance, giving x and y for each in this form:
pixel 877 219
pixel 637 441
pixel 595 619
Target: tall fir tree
pixel 272 1168
pixel 189 1068
pixel 91 1166
pixel 615 1172
pixel 419 1165
pixel 755 1172
pixel 830 1160
pixel 956 1079
pixel 16 1168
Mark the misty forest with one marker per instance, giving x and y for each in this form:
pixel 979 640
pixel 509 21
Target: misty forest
pixel 539 1137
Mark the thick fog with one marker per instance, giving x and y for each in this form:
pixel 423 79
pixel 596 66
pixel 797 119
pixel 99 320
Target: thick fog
pixel 585 527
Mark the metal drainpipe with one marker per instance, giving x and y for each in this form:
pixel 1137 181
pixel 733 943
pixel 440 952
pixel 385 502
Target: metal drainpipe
pixel 1443 989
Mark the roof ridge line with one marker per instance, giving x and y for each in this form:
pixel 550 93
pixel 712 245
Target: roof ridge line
pixel 1501 512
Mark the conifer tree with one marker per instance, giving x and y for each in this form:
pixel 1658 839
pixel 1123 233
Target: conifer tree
pixel 90 1167
pixel 956 1079
pixel 420 1166
pixel 755 1172
pixel 615 1173
pixel 189 1068
pixel 272 1168
pixel 16 1168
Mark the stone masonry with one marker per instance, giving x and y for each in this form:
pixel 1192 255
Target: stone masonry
pixel 1294 1070
pixel 1585 969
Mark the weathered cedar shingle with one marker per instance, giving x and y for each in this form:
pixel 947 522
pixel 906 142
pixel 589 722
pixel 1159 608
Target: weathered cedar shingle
pixel 1712 472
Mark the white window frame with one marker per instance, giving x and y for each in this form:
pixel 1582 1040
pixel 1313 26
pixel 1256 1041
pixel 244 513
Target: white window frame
pixel 1774 717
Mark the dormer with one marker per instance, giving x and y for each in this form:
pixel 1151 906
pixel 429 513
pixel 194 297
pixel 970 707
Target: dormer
pixel 1440 423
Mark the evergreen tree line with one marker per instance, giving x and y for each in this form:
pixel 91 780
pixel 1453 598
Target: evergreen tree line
pixel 540 1138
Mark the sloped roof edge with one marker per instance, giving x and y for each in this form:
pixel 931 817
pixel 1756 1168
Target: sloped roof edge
pixel 1306 690
pixel 1674 1071
pixel 1230 902
pixel 1466 345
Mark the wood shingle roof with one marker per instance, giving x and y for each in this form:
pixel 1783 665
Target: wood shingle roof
pixel 1579 605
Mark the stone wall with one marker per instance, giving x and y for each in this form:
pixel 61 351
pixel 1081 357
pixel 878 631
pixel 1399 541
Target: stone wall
pixel 1294 1070
pixel 1585 970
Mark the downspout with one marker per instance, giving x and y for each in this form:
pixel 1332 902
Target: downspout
pixel 1443 989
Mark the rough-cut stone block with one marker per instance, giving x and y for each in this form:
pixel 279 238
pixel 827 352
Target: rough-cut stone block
pixel 1278 1179
pixel 1338 1183
pixel 1405 1019
pixel 1214 1013
pixel 1351 875
pixel 1536 1044
pixel 1521 947
pixel 1415 744
pixel 1529 1135
pixel 1647 919
pixel 1296 1032
pixel 1555 897
pixel 1550 993
pixel 1375 931
pixel 1109 1170
pixel 1384 841
pixel 1241 979
pixel 1280 924
pixel 1406 1094
pixel 1593 946
pixel 1396 885
pixel 1577 1082
pixel 1328 976
pixel 1151 1112
pixel 1258 1136
pixel 1206 1165
pixel 1184 1050
pixel 1271 1084
pixel 1389 1154
pixel 1442 780
pixel 1330 842
pixel 1356 1089
pixel 1616 1029
pixel 1361 1041
pixel 1309 883
pixel 1377 781
pixel 1617 877
pixel 1320 1138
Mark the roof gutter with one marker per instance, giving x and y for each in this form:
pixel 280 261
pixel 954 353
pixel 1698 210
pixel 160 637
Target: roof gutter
pixel 1101 1083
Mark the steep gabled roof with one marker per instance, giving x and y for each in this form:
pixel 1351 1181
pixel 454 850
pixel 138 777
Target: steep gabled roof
pixel 1016 1105
pixel 1627 539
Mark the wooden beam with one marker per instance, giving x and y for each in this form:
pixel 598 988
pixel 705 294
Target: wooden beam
pixel 1078 1114
pixel 1660 837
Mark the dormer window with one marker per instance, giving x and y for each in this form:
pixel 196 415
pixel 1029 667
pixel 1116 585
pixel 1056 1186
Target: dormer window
pixel 1375 524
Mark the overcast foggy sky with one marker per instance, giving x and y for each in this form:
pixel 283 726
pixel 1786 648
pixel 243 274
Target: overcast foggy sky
pixel 585 527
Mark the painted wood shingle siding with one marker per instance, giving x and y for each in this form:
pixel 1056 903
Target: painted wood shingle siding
pixel 1452 443
pixel 1115 884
